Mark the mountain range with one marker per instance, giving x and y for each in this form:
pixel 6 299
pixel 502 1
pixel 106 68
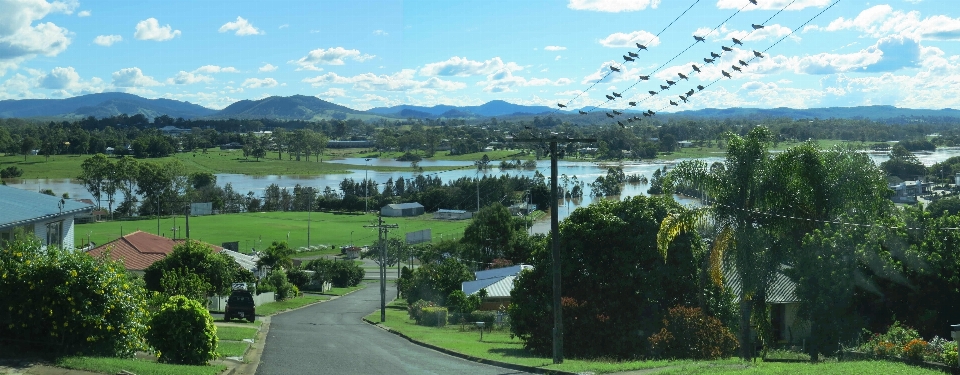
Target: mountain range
pixel 301 107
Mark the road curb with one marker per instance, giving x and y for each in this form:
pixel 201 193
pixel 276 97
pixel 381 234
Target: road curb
pixel 471 358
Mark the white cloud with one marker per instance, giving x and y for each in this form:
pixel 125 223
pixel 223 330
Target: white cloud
pixel 284 26
pixel 768 32
pixel 241 26
pixel 332 92
pixel 83 13
pixel 554 48
pixel 132 77
pixel 267 68
pixel 107 40
pixel 882 20
pixel 380 32
pixel 187 78
pixel 17 87
pixel 256 83
pixel 331 56
pixel 400 81
pixel 150 29
pixel 463 67
pixel 216 69
pixel 612 5
pixel 773 4
pixel 60 79
pixel 630 39
pixel 505 81
pixel 20 39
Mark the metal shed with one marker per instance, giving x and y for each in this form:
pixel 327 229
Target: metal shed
pixel 402 209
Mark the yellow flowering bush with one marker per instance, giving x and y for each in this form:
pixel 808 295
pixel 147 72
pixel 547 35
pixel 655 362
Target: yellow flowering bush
pixel 69 302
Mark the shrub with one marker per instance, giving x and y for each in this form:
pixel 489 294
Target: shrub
pixel 892 343
pixel 488 317
pixel 688 333
pixel 68 302
pixel 414 310
pixel 182 332
pixel 182 282
pixel 277 282
pixel 949 354
pixel 298 277
pixel 914 349
pixel 433 316
pixel 11 172
pixel 339 273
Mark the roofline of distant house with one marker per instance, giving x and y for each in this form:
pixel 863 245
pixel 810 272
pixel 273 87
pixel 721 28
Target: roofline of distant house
pixel 46 217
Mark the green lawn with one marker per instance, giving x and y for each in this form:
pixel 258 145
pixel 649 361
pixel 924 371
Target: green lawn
pixel 827 368
pixel 235 333
pixel 259 229
pixel 136 366
pixel 292 303
pixel 232 348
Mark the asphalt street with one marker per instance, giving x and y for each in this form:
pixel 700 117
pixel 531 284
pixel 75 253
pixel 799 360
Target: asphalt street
pixel 331 338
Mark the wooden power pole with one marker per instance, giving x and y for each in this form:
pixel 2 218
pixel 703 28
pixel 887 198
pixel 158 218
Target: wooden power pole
pixel 382 230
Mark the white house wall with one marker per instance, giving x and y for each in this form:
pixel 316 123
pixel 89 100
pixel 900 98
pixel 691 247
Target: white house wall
pixel 40 230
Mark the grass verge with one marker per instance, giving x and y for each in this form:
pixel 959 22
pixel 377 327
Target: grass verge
pixel 232 348
pixel 342 291
pixel 235 333
pixel 288 304
pixel 826 368
pixel 136 366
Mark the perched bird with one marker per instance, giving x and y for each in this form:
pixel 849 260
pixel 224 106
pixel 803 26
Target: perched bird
pixel 616 112
pixel 673 103
pixel 561 105
pixel 652 92
pixel 725 48
pixel 683 76
pixel 699 38
pixel 633 54
pixel 646 114
pixel 757 54
pixel 627 58
pixel 714 55
pixel 690 93
pixel 757 27
pixel 608 115
pixel 708 61
pixel 644 78
pixel 621 124
pixel 737 68
pixel 696 69
pixel 633 104
pixel 744 63
pixel 700 87
pixel 636 118
pixel 615 69
pixel 630 119
pixel 641 46
pixel 737 41
pixel 582 112
pixel 617 95
pixel 754 2
pixel 662 87
pixel 609 97
pixel 684 98
pixel 527 127
pixel 651 112
pixel 725 74
pixel 671 83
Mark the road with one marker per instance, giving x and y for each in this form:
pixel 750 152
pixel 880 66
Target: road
pixel 331 338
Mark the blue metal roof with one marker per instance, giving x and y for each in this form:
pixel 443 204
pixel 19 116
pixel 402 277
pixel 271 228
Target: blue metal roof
pixel 21 207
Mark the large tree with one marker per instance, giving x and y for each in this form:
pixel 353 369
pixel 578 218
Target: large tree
pixel 95 174
pixel 494 233
pixel 217 271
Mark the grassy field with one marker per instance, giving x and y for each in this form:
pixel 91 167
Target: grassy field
pixel 235 333
pixel 136 366
pixel 498 345
pixel 288 304
pixel 259 230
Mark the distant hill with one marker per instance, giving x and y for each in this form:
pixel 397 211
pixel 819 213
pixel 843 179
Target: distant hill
pixel 297 107
pixel 492 108
pixel 877 112
pixel 101 105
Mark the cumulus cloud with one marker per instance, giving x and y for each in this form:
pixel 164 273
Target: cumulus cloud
pixel 256 83
pixel 332 92
pixel 267 68
pixel 132 77
pixel 463 67
pixel 505 81
pixel 107 40
pixel 83 13
pixel 882 20
pixel 216 69
pixel 241 26
pixel 331 56
pixel 630 39
pixel 773 4
pixel 20 39
pixel 380 32
pixel 554 48
pixel 613 5
pixel 60 79
pixel 400 81
pixel 187 78
pixel 773 32
pixel 150 29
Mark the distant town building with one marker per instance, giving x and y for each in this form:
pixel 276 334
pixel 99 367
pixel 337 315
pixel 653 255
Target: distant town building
pixel 452 214
pixel 402 209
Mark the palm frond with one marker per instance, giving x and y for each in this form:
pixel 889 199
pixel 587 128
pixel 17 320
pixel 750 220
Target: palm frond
pixel 720 245
pixel 675 224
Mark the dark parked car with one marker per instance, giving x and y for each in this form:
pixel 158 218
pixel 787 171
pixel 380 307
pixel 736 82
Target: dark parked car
pixel 240 305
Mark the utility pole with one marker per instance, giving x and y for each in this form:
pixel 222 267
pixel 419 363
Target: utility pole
pixel 555 240
pixel 383 228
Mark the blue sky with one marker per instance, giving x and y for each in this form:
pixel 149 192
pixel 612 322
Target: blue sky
pixel 365 54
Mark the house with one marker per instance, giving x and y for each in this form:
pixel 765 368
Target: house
pixel 49 218
pixel 442 214
pixel 783 303
pixel 522 209
pixel 497 282
pixel 92 216
pixel 908 191
pixel 685 144
pixel 402 209
pixel 138 250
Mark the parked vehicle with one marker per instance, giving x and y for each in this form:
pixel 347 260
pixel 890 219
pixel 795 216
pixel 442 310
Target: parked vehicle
pixel 240 305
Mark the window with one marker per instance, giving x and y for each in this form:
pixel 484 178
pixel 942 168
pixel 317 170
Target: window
pixel 55 233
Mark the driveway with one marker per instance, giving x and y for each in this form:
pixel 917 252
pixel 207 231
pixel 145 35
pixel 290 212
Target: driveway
pixel 331 338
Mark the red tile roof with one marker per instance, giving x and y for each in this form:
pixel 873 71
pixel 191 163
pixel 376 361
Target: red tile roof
pixel 138 250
